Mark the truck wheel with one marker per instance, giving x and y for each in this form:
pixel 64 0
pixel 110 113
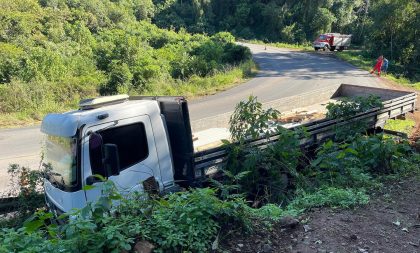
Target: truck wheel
pixel 316 48
pixel 340 49
pixel 325 48
pixel 332 48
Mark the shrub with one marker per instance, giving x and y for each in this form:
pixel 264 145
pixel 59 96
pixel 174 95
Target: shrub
pixel 349 107
pixel 268 172
pixel 25 185
pixel 181 222
pixel 382 155
pixel 82 49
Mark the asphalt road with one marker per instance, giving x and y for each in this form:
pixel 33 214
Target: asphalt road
pixel 282 73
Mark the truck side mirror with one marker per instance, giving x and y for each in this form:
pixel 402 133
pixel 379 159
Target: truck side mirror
pixel 111 159
pixel 96 154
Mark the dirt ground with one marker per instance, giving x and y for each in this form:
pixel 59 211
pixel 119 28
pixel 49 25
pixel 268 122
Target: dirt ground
pixel 389 223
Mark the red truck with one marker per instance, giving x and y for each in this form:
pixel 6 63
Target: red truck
pixel 332 41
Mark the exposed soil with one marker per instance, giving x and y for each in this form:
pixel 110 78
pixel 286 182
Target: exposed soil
pixel 389 223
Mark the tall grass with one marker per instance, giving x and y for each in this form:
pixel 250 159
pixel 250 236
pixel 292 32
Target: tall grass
pixel 281 44
pixel 24 103
pixel 362 60
pixel 198 86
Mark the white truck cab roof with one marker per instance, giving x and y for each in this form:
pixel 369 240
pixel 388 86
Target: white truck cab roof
pixel 66 124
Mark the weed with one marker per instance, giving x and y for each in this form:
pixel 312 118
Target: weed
pixel 329 197
pixel 180 222
pixel 250 120
pixel 268 171
pixel 282 45
pixel 25 187
pixel 348 108
pixel 363 60
pixel 405 126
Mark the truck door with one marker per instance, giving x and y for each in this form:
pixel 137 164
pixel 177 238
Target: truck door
pixel 137 154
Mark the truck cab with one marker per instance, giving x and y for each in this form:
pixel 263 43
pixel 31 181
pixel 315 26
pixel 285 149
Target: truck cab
pixel 125 140
pixel 332 41
pixel 322 42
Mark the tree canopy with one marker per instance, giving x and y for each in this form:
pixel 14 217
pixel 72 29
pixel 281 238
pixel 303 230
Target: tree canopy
pixel 389 27
pixel 60 50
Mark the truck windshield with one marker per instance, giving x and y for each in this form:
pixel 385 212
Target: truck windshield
pixel 322 37
pixel 60 160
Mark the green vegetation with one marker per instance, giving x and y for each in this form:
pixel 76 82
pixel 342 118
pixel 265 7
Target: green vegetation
pixel 259 187
pixel 182 222
pixel 365 61
pixel 404 126
pixel 299 47
pixel 25 184
pixel 331 197
pixel 339 174
pixel 349 107
pixel 196 85
pixel 52 53
pixel 388 27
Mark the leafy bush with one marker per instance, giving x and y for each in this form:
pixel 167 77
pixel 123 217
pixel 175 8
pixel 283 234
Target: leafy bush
pixel 250 120
pixel 339 166
pixel 349 107
pixel 337 171
pixel 382 155
pixel 54 53
pixel 181 222
pixel 25 185
pixel 265 173
pixel 358 162
pixel 190 221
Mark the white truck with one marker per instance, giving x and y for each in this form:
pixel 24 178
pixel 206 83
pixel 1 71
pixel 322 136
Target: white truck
pixel 135 141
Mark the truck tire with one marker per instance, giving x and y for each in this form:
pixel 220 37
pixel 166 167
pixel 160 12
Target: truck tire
pixel 332 48
pixel 340 49
pixel 325 48
pixel 316 48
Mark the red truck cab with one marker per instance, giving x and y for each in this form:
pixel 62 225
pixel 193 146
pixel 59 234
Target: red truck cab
pixel 332 41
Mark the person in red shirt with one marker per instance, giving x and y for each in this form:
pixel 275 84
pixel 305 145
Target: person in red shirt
pixel 378 65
